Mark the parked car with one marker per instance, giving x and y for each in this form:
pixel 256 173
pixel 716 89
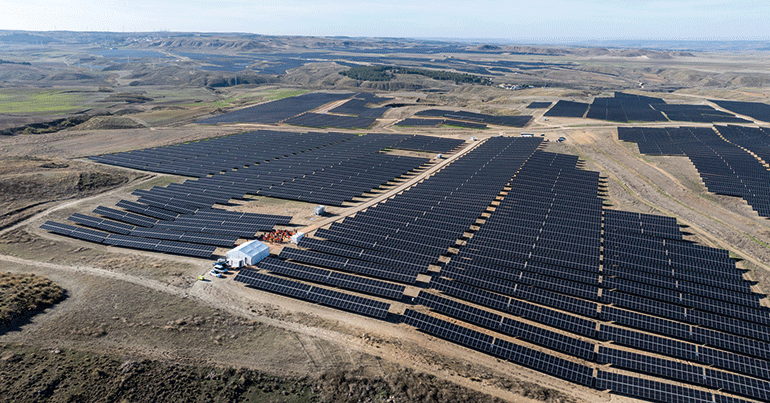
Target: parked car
pixel 222 261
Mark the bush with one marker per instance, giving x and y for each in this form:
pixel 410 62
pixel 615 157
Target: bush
pixel 22 295
pixel 386 73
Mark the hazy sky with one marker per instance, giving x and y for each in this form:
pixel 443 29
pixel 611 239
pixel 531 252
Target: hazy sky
pixel 520 20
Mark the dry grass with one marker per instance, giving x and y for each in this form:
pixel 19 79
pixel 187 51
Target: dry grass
pixel 24 294
pixel 35 374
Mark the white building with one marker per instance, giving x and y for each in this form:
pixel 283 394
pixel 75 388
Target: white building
pixel 248 254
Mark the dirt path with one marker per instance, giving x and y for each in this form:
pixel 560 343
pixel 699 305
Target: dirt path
pixel 95 271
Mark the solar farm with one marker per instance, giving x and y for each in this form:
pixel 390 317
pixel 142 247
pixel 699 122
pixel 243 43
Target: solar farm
pixel 224 216
pixel 626 108
pixel 508 247
pixel 326 168
pixel 545 277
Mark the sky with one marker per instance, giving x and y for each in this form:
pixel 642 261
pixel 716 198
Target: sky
pixel 528 21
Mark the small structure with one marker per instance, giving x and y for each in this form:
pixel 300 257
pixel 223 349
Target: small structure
pixel 439 156
pixel 248 253
pixel 473 138
pixel 527 135
pixel 320 210
pixel 297 237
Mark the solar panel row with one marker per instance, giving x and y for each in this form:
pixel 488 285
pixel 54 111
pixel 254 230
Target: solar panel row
pixel 221 154
pixel 418 223
pixel 568 109
pixel 418 122
pixel 547 316
pixel 123 216
pixel 344 181
pixel 515 121
pixel 277 111
pixel 359 107
pixel 323 120
pixel 351 265
pixel 725 167
pixel 342 280
pixel 515 328
pixel 649 390
pixel 756 110
pixel 186 233
pixel 147 210
pixel 543 362
pixel 129 241
pixel 100 223
pixel 427 143
pixel 697 375
pixel 72 231
pixel 319 295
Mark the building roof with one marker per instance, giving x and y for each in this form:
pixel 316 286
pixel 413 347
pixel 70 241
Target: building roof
pixel 251 248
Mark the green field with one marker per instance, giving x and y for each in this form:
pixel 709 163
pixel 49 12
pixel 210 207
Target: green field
pixel 280 94
pixel 42 101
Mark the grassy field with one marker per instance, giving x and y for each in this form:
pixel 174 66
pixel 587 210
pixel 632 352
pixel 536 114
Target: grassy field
pixel 280 94
pixel 162 180
pixel 35 101
pixel 260 96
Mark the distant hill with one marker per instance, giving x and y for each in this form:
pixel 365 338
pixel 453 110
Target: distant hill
pixel 26 38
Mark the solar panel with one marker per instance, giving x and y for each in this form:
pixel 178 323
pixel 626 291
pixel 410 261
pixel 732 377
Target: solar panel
pixel 123 216
pixel 446 330
pixel 99 223
pixel 459 310
pixel 365 285
pixel 742 385
pixel 647 342
pixel 652 365
pixel 756 110
pixel 543 362
pixel 74 232
pixel 539 105
pixel 323 296
pixel 515 121
pixel 649 390
pixel 353 303
pixel 273 284
pixel 276 111
pixel 553 340
pixel 147 210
